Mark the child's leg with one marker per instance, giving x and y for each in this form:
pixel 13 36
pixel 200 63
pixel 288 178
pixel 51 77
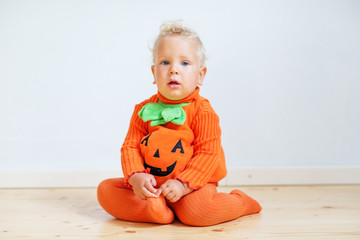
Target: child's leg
pixel 206 207
pixel 122 203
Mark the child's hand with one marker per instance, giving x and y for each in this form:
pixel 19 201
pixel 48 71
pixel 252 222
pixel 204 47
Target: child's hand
pixel 173 190
pixel 143 185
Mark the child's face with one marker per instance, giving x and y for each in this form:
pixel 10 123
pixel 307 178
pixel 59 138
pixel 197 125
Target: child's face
pixel 177 69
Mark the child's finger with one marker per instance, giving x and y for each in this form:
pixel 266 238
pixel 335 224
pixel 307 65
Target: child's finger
pixel 150 184
pixel 165 190
pixel 150 187
pixel 147 193
pixel 170 195
pixel 160 190
pixel 153 181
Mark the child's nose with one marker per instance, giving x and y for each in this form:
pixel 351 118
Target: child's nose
pixel 173 70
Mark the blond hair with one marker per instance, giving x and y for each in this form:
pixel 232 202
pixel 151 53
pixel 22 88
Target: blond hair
pixel 177 28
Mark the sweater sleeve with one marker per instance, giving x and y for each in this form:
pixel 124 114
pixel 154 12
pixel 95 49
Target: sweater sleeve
pixel 207 146
pixel 131 159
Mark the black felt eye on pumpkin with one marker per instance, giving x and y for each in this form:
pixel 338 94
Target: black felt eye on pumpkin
pixel 178 146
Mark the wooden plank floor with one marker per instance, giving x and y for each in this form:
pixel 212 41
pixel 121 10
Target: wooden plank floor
pixel 290 212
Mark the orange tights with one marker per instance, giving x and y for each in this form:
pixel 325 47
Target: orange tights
pixel 203 207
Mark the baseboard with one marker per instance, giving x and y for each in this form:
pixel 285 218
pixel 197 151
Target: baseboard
pixel 236 176
pixel 55 178
pixel 294 175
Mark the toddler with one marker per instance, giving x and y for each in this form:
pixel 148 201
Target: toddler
pixel 172 158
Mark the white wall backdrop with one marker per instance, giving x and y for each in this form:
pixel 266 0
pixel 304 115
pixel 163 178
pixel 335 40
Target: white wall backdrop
pixel 284 77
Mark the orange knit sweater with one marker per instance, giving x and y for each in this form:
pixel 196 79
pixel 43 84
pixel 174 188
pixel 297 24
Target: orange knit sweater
pixel 208 161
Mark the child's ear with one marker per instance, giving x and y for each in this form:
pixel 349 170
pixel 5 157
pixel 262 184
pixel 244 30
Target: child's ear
pixel 153 72
pixel 202 75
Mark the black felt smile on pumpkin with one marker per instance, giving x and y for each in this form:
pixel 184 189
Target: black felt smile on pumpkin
pixel 157 171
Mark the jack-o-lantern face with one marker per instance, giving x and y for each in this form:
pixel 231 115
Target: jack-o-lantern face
pixel 166 153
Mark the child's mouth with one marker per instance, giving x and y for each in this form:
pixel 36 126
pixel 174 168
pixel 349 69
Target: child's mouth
pixel 174 84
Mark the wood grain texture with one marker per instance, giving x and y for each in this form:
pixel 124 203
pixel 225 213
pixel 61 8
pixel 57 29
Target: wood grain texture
pixel 289 212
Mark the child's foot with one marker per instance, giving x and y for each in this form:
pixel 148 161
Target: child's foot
pixel 159 211
pixel 251 205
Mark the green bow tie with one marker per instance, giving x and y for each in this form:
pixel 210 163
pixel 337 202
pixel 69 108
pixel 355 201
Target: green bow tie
pixel 161 113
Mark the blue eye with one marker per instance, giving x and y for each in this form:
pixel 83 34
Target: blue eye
pixel 185 63
pixel 164 63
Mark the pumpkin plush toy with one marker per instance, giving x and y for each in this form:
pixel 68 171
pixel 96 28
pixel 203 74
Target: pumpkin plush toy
pixel 166 153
